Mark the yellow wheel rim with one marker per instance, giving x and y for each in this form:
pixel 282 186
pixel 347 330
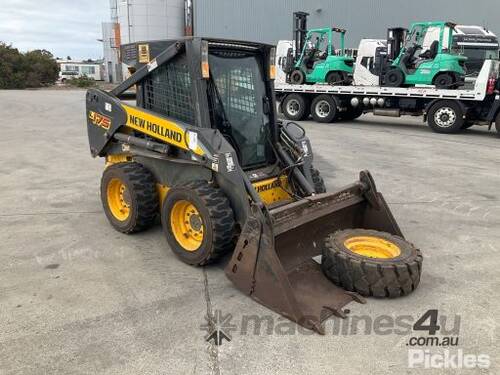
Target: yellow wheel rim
pixel 119 200
pixel 372 247
pixel 187 225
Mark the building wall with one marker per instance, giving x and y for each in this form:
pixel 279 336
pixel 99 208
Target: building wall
pixel 91 70
pixel 111 45
pixel 271 20
pixel 150 19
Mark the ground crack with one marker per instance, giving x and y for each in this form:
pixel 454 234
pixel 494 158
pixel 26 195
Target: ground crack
pixel 212 348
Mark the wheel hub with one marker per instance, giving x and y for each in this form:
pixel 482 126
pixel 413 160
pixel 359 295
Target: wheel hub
pixel 372 247
pixel 195 222
pixel 187 225
pixel 293 107
pixel 323 108
pixel 445 117
pixel 119 199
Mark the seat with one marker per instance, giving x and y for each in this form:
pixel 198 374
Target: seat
pixel 432 52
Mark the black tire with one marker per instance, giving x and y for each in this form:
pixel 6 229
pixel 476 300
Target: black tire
pixel 297 77
pixel 497 124
pixel 393 277
pixel 394 78
pixel 324 109
pixel 139 194
pixel 446 116
pixel 295 107
pixel 335 78
pixel 216 217
pixel 444 81
pixel 318 182
pixel 351 114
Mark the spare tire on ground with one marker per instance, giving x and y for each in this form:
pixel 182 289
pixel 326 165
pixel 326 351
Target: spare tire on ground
pixel 371 263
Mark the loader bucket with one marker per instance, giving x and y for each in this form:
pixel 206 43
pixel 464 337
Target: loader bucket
pixel 273 259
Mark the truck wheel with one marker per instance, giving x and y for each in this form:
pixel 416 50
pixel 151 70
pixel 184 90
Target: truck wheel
pixel 394 78
pixel 445 117
pixel 371 263
pixel 297 77
pixel 198 222
pixel 444 81
pixel 129 197
pixel 497 123
pixel 324 109
pixel 295 107
pixel 351 114
pixel 318 182
pixel 335 78
pixel 467 125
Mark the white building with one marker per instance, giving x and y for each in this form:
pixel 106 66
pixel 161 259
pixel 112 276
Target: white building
pixel 74 69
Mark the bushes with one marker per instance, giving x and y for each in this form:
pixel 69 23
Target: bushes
pixel 82 81
pixel 22 70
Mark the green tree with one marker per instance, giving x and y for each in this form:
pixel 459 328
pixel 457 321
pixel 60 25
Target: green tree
pixel 32 69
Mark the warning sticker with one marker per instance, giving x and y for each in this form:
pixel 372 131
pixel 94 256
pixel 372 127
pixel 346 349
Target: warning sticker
pixel 215 163
pixel 230 162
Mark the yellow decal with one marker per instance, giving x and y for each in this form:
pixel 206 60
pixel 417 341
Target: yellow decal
pixel 99 120
pixel 144 53
pixel 119 158
pixel 159 128
pixel 273 190
pixel 162 192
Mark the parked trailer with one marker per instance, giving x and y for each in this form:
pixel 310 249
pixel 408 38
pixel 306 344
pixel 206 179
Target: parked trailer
pixel 445 111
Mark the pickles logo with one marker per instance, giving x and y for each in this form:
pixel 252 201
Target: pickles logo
pixel 271 185
pixel 152 127
pixel 99 120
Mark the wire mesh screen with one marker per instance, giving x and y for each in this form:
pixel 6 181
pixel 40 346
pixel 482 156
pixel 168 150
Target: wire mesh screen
pixel 241 91
pixel 236 84
pixel 168 91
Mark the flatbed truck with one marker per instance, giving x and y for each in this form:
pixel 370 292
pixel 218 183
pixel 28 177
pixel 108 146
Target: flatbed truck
pixel 444 110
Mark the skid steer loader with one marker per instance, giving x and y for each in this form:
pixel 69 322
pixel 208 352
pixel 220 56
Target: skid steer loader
pixel 202 147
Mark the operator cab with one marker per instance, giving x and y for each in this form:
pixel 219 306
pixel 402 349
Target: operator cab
pixel 422 45
pixel 240 102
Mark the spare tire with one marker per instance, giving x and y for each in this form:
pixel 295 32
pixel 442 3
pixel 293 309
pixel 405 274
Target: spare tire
pixel 371 263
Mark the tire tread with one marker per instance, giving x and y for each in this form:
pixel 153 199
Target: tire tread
pixel 369 278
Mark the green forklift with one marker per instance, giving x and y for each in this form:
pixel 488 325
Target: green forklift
pixel 314 59
pixel 424 56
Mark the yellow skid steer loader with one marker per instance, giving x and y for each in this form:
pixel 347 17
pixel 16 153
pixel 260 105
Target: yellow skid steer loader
pixel 202 148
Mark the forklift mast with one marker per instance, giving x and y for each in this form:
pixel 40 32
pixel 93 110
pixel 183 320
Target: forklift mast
pixel 299 32
pixel 395 40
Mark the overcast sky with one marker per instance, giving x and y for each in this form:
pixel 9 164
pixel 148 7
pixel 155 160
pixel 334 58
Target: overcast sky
pixel 64 27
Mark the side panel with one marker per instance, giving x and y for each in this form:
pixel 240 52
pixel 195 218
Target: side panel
pixel 104 115
pixel 160 128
